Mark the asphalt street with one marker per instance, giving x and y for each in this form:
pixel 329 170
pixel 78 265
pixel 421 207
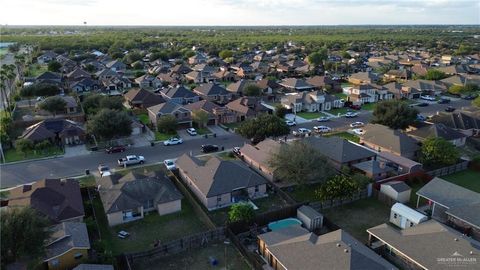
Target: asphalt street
pixel 26 172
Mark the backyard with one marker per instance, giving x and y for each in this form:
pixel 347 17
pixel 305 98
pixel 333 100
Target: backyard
pixel 198 259
pixel 305 193
pixel 469 179
pixel 369 106
pixel 35 70
pixel 345 135
pixel 12 155
pixel 358 216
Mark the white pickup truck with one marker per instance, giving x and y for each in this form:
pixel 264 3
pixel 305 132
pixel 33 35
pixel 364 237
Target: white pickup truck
pixel 131 160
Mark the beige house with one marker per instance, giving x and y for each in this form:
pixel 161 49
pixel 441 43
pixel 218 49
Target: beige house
pixel 219 183
pixel 128 198
pixel 258 156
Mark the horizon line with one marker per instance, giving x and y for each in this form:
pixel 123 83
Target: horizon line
pixel 225 25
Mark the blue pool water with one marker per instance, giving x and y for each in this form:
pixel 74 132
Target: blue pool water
pixel 277 225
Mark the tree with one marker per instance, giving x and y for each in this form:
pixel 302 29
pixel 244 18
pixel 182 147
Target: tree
pixel 108 124
pixel 471 88
pixel 167 124
pixel 339 186
pixel 225 54
pixel 40 89
pixel 280 111
pixel 394 114
pixel 300 163
pixel 23 146
pixel 241 212
pixel 252 90
pixel 53 105
pixel 23 234
pixel 54 66
pixel 133 57
pixel 435 75
pixel 200 117
pixel 43 145
pixel 113 103
pixel 318 57
pixel 456 89
pixel 263 126
pixel 438 151
pixel 476 102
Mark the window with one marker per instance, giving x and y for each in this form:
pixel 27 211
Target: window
pixel 148 204
pixel 219 199
pixel 78 256
pixel 256 189
pixel 394 215
pixel 411 224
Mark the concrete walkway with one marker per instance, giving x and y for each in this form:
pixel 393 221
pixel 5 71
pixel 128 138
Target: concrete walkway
pixel 218 130
pixel 76 150
pixel 296 118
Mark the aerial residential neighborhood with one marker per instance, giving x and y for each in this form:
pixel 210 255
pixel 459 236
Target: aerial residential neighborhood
pixel 240 135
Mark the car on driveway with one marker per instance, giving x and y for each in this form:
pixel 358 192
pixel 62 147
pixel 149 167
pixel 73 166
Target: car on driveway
pixel 301 132
pixel 355 107
pixel 192 131
pixel 357 124
pixel 208 148
pixel 322 129
pixel 444 101
pixel 426 97
pixel 358 131
pixel 449 109
pixel 104 170
pixel 423 104
pixel 173 141
pixel 290 123
pixel 351 114
pixel 323 119
pixel 170 164
pixel 236 150
pixel 115 149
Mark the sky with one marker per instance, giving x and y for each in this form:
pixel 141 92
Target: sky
pixel 238 12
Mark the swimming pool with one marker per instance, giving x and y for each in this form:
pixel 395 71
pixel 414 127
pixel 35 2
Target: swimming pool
pixel 280 224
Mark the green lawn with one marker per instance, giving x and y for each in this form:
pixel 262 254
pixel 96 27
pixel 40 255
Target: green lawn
pixel 227 155
pixel 3 51
pixel 87 181
pixel 35 69
pixel 369 106
pixel 358 216
pixel 345 135
pixel 468 179
pixel 198 259
pixel 232 125
pixel 346 84
pixel 310 115
pixel 305 193
pixel 336 111
pixel 203 131
pixel 163 136
pixel 341 95
pixel 413 194
pixel 144 118
pixel 145 231
pixel 12 155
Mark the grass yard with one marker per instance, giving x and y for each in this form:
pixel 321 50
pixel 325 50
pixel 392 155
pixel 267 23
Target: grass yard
pixel 341 95
pixel 164 136
pixel 310 115
pixel 232 125
pixel 305 193
pixel 144 118
pixel 358 216
pixel 227 155
pixel 345 135
pixel 203 131
pixel 87 181
pixel 413 194
pixel 468 179
pixel 198 259
pixel 3 51
pixel 336 111
pixel 369 106
pixel 12 155
pixel 36 69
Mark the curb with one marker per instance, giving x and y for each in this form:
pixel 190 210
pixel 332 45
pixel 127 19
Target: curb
pixel 30 160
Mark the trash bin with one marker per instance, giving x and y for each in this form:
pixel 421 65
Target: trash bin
pixel 223 148
pixel 87 172
pixel 214 135
pixel 206 135
pixel 152 143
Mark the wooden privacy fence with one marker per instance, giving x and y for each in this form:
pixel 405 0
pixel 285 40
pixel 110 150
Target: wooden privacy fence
pixel 449 169
pixel 253 260
pixel 319 205
pixel 383 198
pixel 177 246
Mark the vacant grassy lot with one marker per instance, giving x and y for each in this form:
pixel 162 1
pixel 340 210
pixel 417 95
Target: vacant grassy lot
pixel 345 135
pixel 468 179
pixel 198 259
pixel 12 155
pixel 358 216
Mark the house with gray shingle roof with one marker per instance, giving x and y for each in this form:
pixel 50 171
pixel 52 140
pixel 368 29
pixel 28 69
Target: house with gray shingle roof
pixel 183 115
pixel 294 84
pixel 428 245
pixel 128 198
pixel 219 183
pixel 295 248
pixel 179 95
pixel 453 204
pixel 213 92
pixel 467 122
pixel 67 246
pixel 439 131
pixel 258 156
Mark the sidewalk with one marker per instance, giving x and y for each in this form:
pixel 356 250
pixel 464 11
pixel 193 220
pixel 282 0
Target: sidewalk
pixel 296 118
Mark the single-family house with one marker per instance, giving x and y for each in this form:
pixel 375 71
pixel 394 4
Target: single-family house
pixel 306 101
pixel 46 57
pixel 268 87
pixel 467 122
pixel 363 78
pixel 429 245
pixel 141 98
pixel 49 77
pixel 67 246
pixel 325 83
pixel 438 131
pixel 399 91
pixel 384 139
pixel 246 107
pixel 452 69
pixel 58 200
pixel 258 157
pixel 183 115
pixel 219 183
pixel 55 130
pixel 396 75
pixel 127 198
pixel 433 88
pixel 296 85
pixel 374 169
pixel 84 85
pixel 148 81
pixel 216 114
pixel 116 66
pixel 197 59
pixel 213 92
pixel 179 95
pixel 238 88
pixel 295 248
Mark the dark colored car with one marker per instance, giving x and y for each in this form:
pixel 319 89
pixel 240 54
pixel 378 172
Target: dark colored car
pixel 469 97
pixel 423 104
pixel 444 101
pixel 355 107
pixel 115 149
pixel 449 109
pixel 208 148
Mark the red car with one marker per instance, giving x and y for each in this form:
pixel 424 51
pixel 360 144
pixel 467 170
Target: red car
pixel 356 107
pixel 115 149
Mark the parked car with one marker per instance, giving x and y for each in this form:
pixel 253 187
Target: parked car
pixel 104 170
pixel 302 132
pixel 421 118
pixel 131 160
pixel 357 124
pixel 236 150
pixel 170 164
pixel 355 107
pixel 358 131
pixel 115 149
pixel 290 123
pixel 322 129
pixel 449 109
pixel 423 104
pixel 173 141
pixel 427 97
pixel 469 97
pixel 323 119
pixel 444 101
pixel 192 131
pixel 208 148
pixel 351 114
